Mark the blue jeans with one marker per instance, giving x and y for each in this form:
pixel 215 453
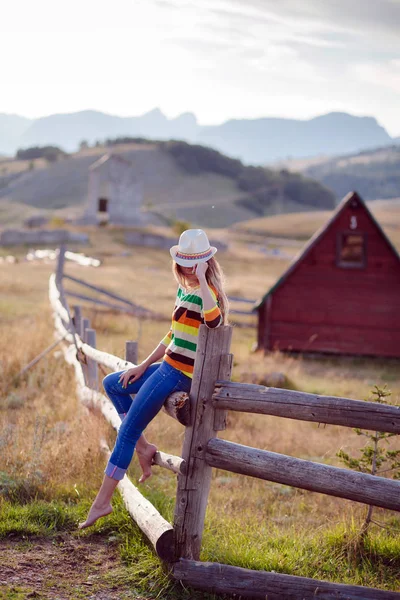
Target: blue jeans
pixel 151 389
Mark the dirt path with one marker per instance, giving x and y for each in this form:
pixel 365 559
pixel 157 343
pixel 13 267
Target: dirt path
pixel 63 568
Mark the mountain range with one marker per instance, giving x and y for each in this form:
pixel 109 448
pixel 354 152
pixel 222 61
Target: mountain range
pixel 373 173
pixel 254 141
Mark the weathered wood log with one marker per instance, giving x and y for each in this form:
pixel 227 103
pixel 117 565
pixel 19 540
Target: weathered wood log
pixel 246 583
pixel 102 290
pixel 107 360
pixel 131 352
pixel 35 360
pixel 259 399
pixel 82 260
pixel 158 531
pixel 60 264
pixel 61 331
pixel 117 307
pixel 103 358
pixel 137 312
pixel 177 406
pixel 193 487
pixel 237 299
pixel 176 464
pixel 304 474
pixel 85 325
pixel 77 317
pixel 167 461
pixel 93 399
pixel 55 299
pixel 147 517
pixel 225 369
pixel 92 368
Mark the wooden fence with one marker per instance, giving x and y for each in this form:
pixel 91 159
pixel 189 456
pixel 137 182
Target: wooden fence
pixel 203 413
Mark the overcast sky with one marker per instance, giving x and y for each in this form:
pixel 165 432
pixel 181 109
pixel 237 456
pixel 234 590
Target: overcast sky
pixel 219 59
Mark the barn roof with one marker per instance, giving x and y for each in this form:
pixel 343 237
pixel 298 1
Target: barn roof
pixel 110 156
pixel 317 236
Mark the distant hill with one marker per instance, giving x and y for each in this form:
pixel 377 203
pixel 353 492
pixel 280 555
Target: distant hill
pixel 263 140
pixel 180 181
pixel 302 226
pixel 374 174
pixel 12 128
pixel 254 141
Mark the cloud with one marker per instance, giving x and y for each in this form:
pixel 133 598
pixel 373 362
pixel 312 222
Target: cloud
pixel 332 54
pixel 380 74
pixel 219 58
pixel 358 15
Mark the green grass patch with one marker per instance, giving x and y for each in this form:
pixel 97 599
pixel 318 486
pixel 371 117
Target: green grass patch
pixel 139 568
pixel 37 518
pixel 16 593
pixel 331 554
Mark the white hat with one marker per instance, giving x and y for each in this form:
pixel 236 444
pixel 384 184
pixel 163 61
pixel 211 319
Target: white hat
pixel 193 248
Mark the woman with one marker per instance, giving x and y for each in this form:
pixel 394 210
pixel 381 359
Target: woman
pixel 200 299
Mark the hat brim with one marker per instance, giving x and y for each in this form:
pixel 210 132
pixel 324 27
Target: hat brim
pixel 189 262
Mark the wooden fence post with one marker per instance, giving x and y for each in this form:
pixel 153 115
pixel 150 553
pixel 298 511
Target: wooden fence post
pixel 77 318
pixel 193 487
pixel 225 369
pixel 131 352
pixel 60 265
pixel 85 324
pixel 92 369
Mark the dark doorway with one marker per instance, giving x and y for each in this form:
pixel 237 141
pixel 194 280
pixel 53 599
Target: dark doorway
pixel 102 211
pixel 103 202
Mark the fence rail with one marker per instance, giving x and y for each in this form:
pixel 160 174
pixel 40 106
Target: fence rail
pixel 304 474
pixel 247 397
pixel 203 413
pixel 226 579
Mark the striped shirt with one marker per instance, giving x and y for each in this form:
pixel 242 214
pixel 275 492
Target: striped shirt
pixel 188 315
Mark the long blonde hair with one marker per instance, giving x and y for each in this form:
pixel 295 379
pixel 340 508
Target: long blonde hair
pixel 215 279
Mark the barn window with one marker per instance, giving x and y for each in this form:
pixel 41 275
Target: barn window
pixel 351 250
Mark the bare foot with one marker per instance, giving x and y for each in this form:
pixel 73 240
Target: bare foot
pixel 94 514
pixel 146 460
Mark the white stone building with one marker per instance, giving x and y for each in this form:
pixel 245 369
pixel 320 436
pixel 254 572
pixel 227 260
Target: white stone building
pixel 114 194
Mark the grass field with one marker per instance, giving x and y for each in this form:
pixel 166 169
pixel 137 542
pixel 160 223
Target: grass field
pixel 9 166
pixel 52 465
pixel 301 226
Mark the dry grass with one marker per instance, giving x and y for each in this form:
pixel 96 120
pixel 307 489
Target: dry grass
pixel 301 226
pixel 43 428
pixel 10 166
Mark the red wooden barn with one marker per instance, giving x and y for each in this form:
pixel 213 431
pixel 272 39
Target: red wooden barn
pixel 341 294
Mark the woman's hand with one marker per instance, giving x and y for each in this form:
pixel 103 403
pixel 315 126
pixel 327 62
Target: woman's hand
pixel 201 269
pixel 132 374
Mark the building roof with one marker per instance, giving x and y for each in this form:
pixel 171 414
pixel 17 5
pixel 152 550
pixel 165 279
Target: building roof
pixel 110 156
pixel 349 199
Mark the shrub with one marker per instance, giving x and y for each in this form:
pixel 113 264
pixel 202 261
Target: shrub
pixel 180 226
pixel 196 159
pixel 50 153
pixel 263 185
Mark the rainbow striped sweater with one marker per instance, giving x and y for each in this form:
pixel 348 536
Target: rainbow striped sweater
pixel 188 315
